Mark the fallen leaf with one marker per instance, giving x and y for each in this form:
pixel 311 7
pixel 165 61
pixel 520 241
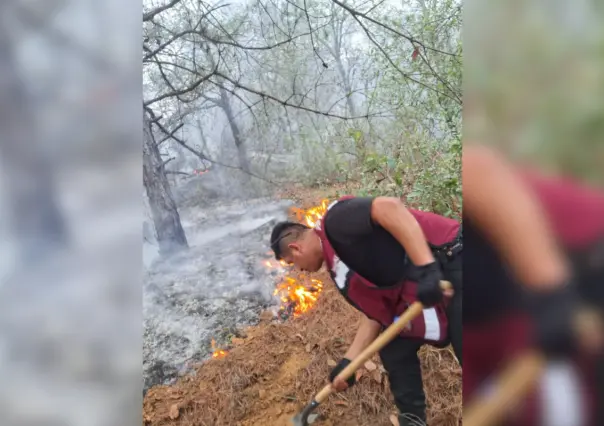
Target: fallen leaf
pixel 394 420
pixel 331 363
pixel 338 341
pixel 174 412
pixel 300 337
pixel 370 366
pixel 237 341
pixel 359 374
pixel 341 403
pixel 308 347
pixel 377 376
pixel 261 393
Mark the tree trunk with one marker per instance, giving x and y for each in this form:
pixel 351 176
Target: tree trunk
pixel 239 142
pixel 347 87
pixel 170 235
pixel 36 222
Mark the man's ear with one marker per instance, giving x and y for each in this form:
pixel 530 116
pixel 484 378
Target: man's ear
pixel 294 247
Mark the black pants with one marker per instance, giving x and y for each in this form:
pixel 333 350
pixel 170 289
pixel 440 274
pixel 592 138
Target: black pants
pixel 401 362
pixel 453 272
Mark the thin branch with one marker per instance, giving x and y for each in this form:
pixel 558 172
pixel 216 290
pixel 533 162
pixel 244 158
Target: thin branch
pixel 205 36
pixel 312 41
pixel 404 74
pixel 200 155
pixel 151 14
pixel 166 162
pixel 356 13
pixel 181 92
pixel 280 101
pixel 176 36
pixel 171 135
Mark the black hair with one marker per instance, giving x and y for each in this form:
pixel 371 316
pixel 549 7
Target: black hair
pixel 280 234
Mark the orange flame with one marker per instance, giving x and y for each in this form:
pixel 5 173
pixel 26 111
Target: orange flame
pixel 302 298
pixel 218 353
pixel 274 264
pixel 311 217
pixel 293 292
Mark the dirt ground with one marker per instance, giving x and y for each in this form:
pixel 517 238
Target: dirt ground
pixel 275 370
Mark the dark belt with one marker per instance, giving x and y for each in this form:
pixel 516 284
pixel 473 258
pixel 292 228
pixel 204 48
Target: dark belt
pixel 447 252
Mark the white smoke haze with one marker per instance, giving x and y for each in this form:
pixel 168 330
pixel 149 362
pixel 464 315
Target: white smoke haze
pixel 210 291
pixel 70 298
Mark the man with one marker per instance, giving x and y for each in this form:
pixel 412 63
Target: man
pixel 536 255
pixel 382 257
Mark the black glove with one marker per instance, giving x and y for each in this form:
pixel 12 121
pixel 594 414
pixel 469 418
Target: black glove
pixel 553 312
pixel 338 368
pixel 428 279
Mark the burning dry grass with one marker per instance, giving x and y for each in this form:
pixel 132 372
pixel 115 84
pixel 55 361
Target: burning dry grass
pixel 277 368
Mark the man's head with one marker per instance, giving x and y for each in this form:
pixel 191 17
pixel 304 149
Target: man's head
pixel 296 243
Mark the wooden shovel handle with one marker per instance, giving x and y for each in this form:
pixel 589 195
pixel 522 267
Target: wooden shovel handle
pixel 514 382
pixel 382 340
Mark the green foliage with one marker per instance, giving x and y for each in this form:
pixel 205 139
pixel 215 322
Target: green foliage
pixel 429 177
pixel 437 186
pixel 416 155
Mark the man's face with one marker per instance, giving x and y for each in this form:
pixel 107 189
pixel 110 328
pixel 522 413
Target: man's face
pixel 303 257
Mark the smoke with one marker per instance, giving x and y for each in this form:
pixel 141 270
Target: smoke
pixel 216 287
pixel 70 305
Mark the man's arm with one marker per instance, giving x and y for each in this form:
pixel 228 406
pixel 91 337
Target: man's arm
pixel 367 332
pixel 502 208
pixel 392 215
pixel 358 216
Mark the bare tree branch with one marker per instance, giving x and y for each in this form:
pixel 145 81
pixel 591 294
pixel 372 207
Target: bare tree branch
pixel 280 101
pixel 171 135
pixel 413 40
pixel 151 14
pixel 176 93
pixel 199 154
pixel 401 72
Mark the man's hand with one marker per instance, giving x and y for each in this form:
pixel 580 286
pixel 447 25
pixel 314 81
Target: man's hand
pixel 428 279
pixel 367 332
pixel 553 312
pixel 558 329
pixel 340 384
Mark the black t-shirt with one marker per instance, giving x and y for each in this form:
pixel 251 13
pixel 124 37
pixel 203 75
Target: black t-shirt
pixel 489 289
pixel 372 252
pixel 364 246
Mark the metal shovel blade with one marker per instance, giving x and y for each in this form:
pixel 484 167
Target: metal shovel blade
pixel 304 417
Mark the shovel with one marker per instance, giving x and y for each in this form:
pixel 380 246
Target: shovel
pixel 301 419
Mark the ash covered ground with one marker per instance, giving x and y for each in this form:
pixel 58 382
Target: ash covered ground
pixel 218 286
